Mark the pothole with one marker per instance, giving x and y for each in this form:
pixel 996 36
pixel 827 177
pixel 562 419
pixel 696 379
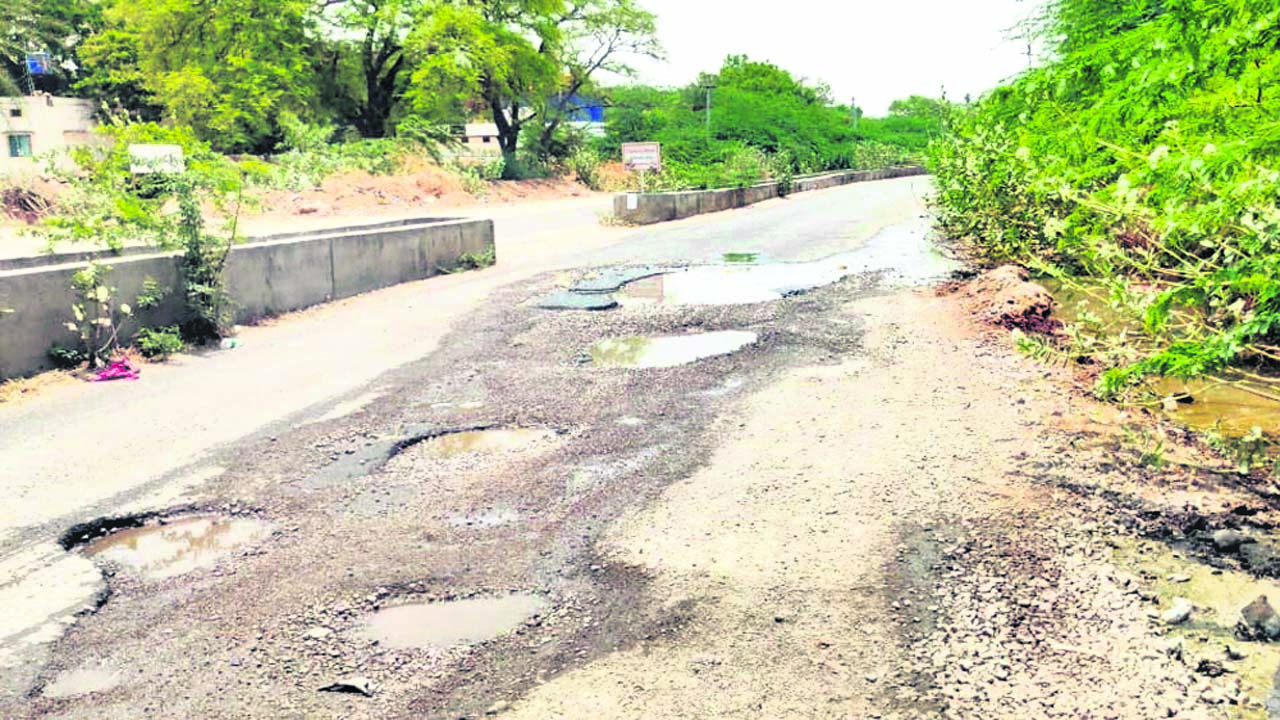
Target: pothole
pixel 84 680
pixel 175 547
pixel 446 624
pixel 663 352
pixel 495 440
pixel 741 283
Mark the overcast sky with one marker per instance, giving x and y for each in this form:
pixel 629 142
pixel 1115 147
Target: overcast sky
pixel 875 51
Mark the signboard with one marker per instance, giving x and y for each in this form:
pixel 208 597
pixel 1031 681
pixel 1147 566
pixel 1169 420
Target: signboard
pixel 642 156
pixel 147 159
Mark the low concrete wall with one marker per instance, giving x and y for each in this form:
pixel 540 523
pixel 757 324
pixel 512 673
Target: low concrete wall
pixel 650 208
pixel 266 277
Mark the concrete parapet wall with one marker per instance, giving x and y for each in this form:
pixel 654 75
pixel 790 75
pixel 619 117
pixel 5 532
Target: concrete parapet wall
pixel 269 276
pixel 650 208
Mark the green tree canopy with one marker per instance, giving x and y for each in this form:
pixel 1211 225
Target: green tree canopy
pixel 224 67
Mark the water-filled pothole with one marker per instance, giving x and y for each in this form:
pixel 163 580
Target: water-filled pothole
pixel 445 624
pixel 737 284
pixel 83 681
pixel 178 546
pixel 485 441
pixel 664 352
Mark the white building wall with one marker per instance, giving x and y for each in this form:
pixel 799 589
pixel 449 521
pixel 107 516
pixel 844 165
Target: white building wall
pixel 51 123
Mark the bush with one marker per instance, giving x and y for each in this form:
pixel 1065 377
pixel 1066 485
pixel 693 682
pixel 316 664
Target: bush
pixel 159 342
pixel 1144 155
pixel 585 164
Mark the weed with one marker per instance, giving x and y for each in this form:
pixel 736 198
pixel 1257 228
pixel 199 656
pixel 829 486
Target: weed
pixel 473 261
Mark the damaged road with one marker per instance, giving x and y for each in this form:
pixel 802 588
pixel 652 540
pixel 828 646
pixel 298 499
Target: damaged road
pixel 852 509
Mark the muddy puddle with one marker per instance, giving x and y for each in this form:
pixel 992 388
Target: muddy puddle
pixel 445 624
pixel 83 681
pixel 485 441
pixel 903 253
pixel 1230 405
pixel 1218 597
pixel 671 351
pixel 178 546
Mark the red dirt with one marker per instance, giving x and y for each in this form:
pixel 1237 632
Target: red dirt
pixel 359 193
pixel 1006 297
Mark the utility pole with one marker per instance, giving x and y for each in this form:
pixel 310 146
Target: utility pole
pixel 853 103
pixel 708 83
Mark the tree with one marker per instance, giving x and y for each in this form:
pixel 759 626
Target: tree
pixel 502 52
pixel 598 35
pixel 54 27
pixel 918 106
pixel 113 77
pixel 225 67
pixel 381 63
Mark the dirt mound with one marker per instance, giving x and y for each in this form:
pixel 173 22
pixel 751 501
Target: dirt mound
pixel 422 188
pixel 1006 297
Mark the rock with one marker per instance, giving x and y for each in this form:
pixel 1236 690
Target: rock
pixel 1179 578
pixel 499 707
pixel 1236 655
pixel 351 686
pixel 1211 668
pixel 1179 613
pixel 1228 540
pixel 318 633
pixel 1261 558
pixel 1258 621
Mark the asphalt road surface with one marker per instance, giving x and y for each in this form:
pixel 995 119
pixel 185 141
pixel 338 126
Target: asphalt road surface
pixel 315 513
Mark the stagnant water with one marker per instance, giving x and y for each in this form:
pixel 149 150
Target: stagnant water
pixel 903 253
pixel 445 624
pixel 670 351
pixel 1232 406
pixel 178 546
pixel 485 441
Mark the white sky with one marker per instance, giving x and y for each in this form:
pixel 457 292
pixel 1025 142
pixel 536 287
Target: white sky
pixel 874 50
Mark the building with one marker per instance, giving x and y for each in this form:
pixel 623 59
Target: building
pixel 480 140
pixel 37 125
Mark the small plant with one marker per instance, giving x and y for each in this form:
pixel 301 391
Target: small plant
pixel 65 358
pixel 782 168
pixel 160 342
pixel 1150 445
pixel 474 261
pixel 1248 453
pixel 97 320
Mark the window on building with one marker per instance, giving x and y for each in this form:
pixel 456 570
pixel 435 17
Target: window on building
pixel 15 112
pixel 488 139
pixel 20 145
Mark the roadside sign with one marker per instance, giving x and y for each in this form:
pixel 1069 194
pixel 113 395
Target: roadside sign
pixel 147 159
pixel 642 156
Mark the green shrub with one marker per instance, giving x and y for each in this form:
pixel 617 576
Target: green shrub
pixel 585 164
pixel 159 342
pixel 1147 151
